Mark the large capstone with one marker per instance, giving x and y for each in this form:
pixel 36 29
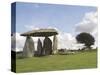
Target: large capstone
pixel 28 50
pixel 40 32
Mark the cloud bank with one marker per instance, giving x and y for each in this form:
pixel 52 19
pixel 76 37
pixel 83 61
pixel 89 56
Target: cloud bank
pixel 65 40
pixel 88 23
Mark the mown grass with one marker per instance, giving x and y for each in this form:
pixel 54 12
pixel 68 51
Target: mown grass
pixel 80 60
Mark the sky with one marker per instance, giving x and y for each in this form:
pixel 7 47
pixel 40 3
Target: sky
pixel 68 20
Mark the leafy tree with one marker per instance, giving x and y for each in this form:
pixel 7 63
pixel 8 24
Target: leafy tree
pixel 86 39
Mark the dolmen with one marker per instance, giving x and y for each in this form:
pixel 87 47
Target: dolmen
pixel 47 48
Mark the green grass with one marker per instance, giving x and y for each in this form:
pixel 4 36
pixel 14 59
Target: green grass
pixel 79 60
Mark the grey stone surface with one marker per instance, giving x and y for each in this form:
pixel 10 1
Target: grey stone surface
pixel 55 44
pixel 28 50
pixel 40 32
pixel 39 47
pixel 47 46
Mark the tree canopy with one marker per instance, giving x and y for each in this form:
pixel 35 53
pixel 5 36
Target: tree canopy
pixel 85 38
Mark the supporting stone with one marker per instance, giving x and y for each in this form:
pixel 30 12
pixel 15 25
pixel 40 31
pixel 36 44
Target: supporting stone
pixel 55 44
pixel 47 46
pixel 28 50
pixel 39 47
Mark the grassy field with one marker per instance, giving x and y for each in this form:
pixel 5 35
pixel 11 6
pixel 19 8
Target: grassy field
pixel 79 60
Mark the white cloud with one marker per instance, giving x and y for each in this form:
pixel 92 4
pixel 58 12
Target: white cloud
pixel 65 40
pixel 68 41
pixel 19 40
pixel 31 27
pixel 89 24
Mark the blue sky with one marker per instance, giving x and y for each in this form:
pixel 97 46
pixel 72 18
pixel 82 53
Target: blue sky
pixel 62 17
pixel 69 20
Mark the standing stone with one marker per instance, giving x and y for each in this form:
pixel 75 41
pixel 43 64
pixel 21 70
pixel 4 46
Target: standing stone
pixel 55 44
pixel 28 49
pixel 47 46
pixel 39 47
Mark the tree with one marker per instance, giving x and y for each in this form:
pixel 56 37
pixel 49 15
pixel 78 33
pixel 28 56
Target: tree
pixel 86 39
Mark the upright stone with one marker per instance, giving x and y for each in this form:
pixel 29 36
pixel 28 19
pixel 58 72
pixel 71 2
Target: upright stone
pixel 55 44
pixel 39 47
pixel 47 46
pixel 28 49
